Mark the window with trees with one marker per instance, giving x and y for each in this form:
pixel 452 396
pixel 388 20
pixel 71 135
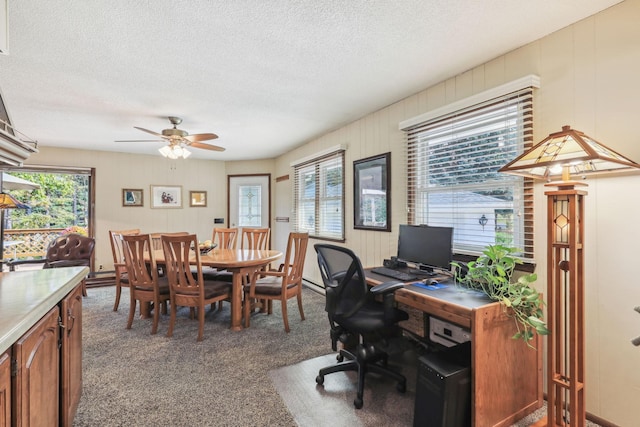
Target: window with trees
pixel 453 180
pixel 54 201
pixel 319 196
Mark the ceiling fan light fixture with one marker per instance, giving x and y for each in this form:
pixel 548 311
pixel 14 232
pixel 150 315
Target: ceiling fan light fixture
pixel 165 151
pixel 174 152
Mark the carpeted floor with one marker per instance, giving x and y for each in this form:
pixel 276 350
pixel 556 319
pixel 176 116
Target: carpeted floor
pixel 131 378
pixel 260 376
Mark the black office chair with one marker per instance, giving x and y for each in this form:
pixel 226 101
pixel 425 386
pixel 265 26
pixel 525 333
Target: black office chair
pixel 357 319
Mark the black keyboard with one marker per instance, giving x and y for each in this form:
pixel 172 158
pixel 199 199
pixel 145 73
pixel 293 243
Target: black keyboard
pixel 394 274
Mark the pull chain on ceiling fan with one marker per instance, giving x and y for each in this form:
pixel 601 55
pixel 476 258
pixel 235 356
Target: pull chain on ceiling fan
pixel 178 140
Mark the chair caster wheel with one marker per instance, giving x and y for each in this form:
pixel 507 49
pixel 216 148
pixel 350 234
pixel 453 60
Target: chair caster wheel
pixel 358 402
pixel 401 387
pixel 320 379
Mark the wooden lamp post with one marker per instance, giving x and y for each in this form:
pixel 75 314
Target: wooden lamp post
pixel 561 154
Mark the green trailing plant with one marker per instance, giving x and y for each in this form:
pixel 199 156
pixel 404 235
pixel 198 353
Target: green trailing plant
pixel 492 274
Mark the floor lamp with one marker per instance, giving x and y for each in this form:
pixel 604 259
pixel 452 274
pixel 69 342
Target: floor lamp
pixel 558 156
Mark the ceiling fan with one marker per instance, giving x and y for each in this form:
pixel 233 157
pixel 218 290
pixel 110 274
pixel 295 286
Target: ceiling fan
pixel 178 140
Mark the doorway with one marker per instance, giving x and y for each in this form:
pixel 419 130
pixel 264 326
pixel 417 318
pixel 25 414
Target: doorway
pixel 249 200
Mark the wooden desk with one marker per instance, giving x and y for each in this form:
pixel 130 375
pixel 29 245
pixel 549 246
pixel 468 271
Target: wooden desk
pixel 506 373
pixel 240 262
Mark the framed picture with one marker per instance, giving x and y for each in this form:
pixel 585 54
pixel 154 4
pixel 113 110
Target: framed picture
pixel 166 196
pixel 198 199
pixel 372 193
pixel 132 197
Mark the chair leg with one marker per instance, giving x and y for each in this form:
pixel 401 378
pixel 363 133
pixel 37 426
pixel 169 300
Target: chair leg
pixel 300 304
pixel 172 319
pixel 118 291
pixel 132 312
pixel 285 317
pixel 246 310
pixel 156 318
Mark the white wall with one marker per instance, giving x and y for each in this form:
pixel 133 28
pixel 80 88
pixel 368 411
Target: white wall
pixel 115 171
pixel 589 74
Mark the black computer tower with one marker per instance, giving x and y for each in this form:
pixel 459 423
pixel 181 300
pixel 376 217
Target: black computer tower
pixel 443 389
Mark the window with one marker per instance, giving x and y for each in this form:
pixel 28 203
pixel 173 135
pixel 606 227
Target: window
pixel 453 178
pixel 319 196
pixel 249 209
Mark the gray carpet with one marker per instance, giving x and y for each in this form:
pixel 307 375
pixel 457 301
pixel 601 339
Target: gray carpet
pixel 260 376
pixel 133 378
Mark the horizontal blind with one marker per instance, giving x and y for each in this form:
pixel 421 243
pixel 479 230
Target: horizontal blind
pixel 319 196
pixel 453 178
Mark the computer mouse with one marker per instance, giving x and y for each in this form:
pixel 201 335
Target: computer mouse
pixel 430 281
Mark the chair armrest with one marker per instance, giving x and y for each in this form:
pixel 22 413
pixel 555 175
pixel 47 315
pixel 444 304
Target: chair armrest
pixel 386 287
pixel 269 273
pixel 12 264
pixel 387 290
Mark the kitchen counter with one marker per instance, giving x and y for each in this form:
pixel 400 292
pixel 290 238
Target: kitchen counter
pixel 26 296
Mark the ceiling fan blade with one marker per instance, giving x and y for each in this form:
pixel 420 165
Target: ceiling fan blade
pixel 151 132
pixel 206 146
pixel 200 137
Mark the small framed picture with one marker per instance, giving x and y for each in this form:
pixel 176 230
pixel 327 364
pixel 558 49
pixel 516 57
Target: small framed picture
pixel 372 193
pixel 166 196
pixel 198 199
pixel 132 197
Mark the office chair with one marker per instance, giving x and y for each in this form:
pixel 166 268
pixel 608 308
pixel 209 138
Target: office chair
pixel 357 319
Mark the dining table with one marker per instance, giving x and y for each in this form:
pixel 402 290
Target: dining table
pixel 241 263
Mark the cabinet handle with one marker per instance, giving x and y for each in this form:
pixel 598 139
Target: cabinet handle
pixel 71 322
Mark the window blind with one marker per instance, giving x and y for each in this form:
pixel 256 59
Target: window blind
pixel 319 196
pixel 453 179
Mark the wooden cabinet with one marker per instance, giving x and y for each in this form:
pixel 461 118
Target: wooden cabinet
pixel 40 347
pixel 71 354
pixel 37 380
pixel 5 389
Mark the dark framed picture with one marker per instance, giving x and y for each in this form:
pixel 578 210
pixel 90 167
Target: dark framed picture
pixel 198 199
pixel 372 193
pixel 132 197
pixel 166 196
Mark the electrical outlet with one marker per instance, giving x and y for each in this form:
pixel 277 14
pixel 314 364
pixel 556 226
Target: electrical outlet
pixel 100 267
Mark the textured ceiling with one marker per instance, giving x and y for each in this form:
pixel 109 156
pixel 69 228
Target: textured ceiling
pixel 264 75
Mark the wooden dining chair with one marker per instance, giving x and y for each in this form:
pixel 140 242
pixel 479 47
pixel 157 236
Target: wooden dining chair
pixel 144 284
pixel 156 245
pixel 280 285
pixel 156 238
pixel 187 289
pixel 122 279
pixel 225 237
pixel 255 238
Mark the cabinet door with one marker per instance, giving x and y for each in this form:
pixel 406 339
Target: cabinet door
pixel 36 385
pixel 71 353
pixel 5 390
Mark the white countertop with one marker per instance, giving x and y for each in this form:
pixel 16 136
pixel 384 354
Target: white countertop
pixel 26 296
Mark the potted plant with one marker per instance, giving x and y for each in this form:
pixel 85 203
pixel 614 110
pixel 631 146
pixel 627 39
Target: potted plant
pixel 492 274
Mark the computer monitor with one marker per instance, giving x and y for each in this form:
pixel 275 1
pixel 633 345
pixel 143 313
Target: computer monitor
pixel 426 247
